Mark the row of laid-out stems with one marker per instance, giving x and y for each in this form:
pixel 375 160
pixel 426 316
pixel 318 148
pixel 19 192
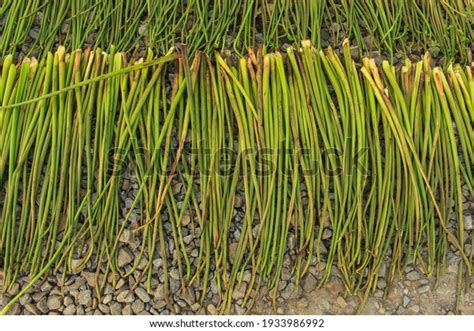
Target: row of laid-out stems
pixel 395 25
pixel 404 138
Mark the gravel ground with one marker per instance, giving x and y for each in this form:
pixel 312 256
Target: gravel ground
pixel 412 293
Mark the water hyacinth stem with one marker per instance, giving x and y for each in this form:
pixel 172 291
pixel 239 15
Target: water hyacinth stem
pixel 338 166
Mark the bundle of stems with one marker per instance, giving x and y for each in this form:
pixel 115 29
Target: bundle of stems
pixel 35 26
pixel 380 157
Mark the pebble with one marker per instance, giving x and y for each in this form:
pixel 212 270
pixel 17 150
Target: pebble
pixel 126 237
pixel 188 296
pixel 406 301
pixel 38 296
pixel 15 288
pixel 105 309
pixel 212 310
pixel 68 301
pixel 341 302
pixel 125 256
pixel 185 220
pixel 54 302
pixel 125 297
pixel 327 233
pixel 25 299
pixel 32 309
pixel 69 310
pixel 43 306
pixel 116 309
pixel 309 283
pixel 160 292
pixel 238 201
pixel 291 292
pixel 142 294
pixel 127 310
pixel 239 291
pixel 174 274
pixel 423 289
pixel 90 278
pixel 159 305
pixel 138 306
pixel 413 275
pixel 468 222
pixel 84 298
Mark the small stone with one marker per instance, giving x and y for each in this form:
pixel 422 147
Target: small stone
pixel 68 301
pixel 413 275
pixel 468 222
pixel 174 274
pixel 414 309
pixel 239 310
pixel 160 292
pixel 423 289
pixel 174 285
pixel 84 298
pixel 212 310
pixel 239 291
pixel 137 306
pixel 90 278
pixel 291 292
pixel 327 233
pixel 381 284
pixel 195 307
pixel 126 184
pixel 116 309
pixel 185 220
pixel 25 299
pixel 187 240
pixel 309 283
pixel 69 310
pixel 32 309
pixel 238 201
pixel 106 299
pixel 125 297
pixel 43 306
pixel 14 289
pixel 188 296
pixel 38 296
pixel 213 286
pixel 157 263
pixel 120 283
pixel 127 310
pixel 341 302
pixel 105 309
pixel 46 287
pixel 159 305
pixel 126 237
pixel 280 311
pixel 142 294
pixel 177 188
pixel 54 302
pixel 125 256
pixel 406 301
pixel 34 33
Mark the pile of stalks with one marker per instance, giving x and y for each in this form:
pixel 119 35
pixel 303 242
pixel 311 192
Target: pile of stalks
pixel 444 26
pixel 380 155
